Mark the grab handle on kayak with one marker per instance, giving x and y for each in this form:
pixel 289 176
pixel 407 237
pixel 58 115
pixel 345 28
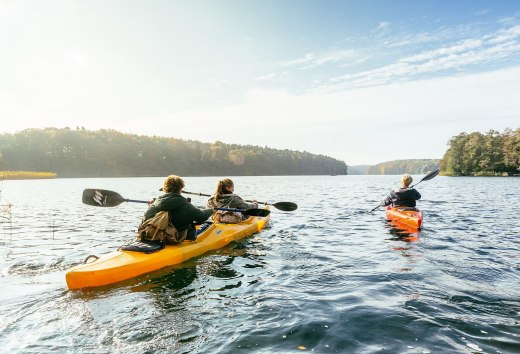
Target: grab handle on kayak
pixel 91 256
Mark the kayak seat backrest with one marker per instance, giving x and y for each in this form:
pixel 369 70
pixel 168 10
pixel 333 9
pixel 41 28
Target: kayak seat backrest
pixel 143 246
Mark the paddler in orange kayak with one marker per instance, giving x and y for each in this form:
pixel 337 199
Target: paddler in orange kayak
pixel 403 196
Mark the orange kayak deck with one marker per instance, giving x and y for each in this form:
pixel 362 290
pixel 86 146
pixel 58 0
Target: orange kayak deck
pixel 122 265
pixel 407 216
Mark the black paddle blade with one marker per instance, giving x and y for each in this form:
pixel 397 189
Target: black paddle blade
pixel 101 198
pixel 431 175
pixel 285 206
pixel 257 212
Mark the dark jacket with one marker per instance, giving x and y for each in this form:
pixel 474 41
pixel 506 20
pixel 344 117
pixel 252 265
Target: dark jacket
pixel 182 213
pixel 402 197
pixel 231 201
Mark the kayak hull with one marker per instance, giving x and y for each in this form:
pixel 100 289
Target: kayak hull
pixel 122 265
pixel 411 218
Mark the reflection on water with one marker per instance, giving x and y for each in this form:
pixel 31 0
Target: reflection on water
pixel 329 277
pixel 402 232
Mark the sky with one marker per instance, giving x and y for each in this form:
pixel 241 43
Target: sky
pixel 363 81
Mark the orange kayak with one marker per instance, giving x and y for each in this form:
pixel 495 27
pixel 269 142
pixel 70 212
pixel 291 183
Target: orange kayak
pixel 411 217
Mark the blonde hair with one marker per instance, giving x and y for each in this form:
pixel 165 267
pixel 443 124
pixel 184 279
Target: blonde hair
pixel 222 188
pixel 173 183
pixel 406 180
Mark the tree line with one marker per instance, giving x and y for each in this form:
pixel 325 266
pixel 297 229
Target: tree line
pixel 398 167
pixel 477 154
pixel 109 153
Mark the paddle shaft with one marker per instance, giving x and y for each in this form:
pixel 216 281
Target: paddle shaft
pixel 377 207
pixel 106 198
pixel 249 212
pixel 427 177
pixel 231 209
pixel 283 206
pixel 135 201
pixel 209 195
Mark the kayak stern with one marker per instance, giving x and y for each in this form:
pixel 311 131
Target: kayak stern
pixel 408 216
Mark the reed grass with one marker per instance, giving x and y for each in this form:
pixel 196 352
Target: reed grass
pixel 26 175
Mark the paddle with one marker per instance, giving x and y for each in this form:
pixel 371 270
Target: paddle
pixel 106 198
pixel 283 206
pixel 248 212
pixel 425 178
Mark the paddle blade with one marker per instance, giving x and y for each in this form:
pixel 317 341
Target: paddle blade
pixel 101 198
pixel 285 206
pixel 257 212
pixel 431 175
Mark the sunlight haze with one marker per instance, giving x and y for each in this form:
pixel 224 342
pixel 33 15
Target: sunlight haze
pixel 360 81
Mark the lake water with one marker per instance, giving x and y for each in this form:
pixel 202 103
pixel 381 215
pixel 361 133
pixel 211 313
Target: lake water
pixel 327 278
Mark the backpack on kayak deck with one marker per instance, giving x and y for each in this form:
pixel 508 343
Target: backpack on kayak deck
pixel 227 217
pixel 159 228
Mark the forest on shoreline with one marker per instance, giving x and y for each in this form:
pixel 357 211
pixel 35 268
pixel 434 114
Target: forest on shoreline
pixel 477 154
pixel 109 153
pixel 53 152
pixel 398 167
pixel 468 154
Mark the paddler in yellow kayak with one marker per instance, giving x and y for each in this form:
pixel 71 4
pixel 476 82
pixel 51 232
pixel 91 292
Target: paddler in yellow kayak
pixel 403 196
pixel 182 213
pixel 224 198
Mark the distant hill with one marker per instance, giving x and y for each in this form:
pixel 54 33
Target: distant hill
pixel 109 153
pixel 397 167
pixel 358 170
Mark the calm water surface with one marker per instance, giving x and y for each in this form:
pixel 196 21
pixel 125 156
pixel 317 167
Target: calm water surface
pixel 327 278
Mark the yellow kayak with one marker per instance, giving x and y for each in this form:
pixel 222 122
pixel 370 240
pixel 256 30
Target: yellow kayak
pixel 121 265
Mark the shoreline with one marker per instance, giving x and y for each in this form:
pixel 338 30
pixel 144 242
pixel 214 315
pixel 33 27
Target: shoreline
pixel 17 175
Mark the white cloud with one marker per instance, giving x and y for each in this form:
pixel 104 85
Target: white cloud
pixel 457 48
pixel 383 25
pixel 482 12
pixel 506 35
pixel 416 119
pixel 312 60
pixel 335 56
pixel 360 126
pixel 307 58
pixel 461 48
pixel 357 96
pixel 414 39
pixel 267 77
pixel 382 29
pixel 465 53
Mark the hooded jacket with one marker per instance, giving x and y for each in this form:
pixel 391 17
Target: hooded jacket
pixel 231 201
pixel 182 213
pixel 402 197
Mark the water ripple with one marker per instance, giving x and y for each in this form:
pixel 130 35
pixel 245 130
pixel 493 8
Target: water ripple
pixel 329 277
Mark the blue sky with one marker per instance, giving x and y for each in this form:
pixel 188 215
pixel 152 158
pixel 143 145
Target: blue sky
pixel 362 81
